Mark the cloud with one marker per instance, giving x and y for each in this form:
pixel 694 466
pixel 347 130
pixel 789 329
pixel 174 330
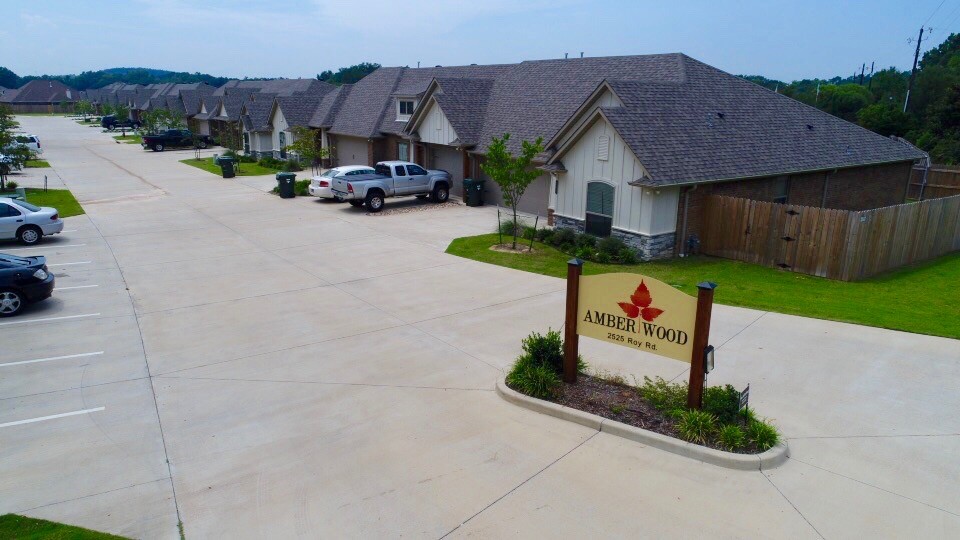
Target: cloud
pixel 36 21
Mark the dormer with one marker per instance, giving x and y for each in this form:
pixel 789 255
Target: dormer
pixel 405 107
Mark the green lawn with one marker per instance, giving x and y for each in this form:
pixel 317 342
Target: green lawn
pixel 36 163
pixel 129 138
pixel 244 169
pixel 61 199
pixel 920 298
pixel 25 528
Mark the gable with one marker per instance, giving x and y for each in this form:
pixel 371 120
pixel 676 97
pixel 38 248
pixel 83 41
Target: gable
pixel 603 97
pixel 435 128
pixel 277 120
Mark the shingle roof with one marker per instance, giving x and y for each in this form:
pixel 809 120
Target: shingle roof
pixel 464 103
pixel 361 113
pixel 300 108
pixel 233 101
pixel 330 106
pixel 713 126
pixel 256 112
pixel 280 87
pixel 44 91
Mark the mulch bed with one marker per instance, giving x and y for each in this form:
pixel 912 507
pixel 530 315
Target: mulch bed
pixel 615 402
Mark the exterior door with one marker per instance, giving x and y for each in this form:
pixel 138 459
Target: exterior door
pixel 418 179
pixel 283 145
pixel 246 142
pixel 401 180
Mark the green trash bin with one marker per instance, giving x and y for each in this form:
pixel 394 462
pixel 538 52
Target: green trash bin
pixel 226 166
pixel 285 181
pixel 473 192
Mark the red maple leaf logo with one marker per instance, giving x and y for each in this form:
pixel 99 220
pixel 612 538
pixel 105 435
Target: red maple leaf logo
pixel 639 304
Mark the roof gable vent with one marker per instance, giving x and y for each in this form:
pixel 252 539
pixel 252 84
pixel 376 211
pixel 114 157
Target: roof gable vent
pixel 720 115
pixel 603 148
pixel 810 127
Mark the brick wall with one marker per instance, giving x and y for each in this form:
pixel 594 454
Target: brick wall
pixel 858 188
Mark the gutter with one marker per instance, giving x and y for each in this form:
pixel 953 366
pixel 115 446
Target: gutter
pixel 683 228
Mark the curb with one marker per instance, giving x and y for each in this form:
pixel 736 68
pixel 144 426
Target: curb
pixel 770 459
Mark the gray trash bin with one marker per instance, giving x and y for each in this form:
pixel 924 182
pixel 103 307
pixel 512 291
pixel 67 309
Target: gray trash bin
pixel 473 191
pixel 286 181
pixel 226 166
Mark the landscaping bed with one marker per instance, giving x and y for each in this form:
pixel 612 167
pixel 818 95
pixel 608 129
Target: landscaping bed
pixel 242 169
pixel 655 405
pixel 129 139
pixel 909 299
pixel 61 199
pixel 36 164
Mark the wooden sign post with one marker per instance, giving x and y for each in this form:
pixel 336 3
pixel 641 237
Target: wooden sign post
pixel 640 312
pixel 701 338
pixel 571 339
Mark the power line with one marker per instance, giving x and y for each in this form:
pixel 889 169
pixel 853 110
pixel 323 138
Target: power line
pixel 934 13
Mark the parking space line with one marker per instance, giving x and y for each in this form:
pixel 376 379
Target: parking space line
pixel 49 319
pixel 81 355
pixel 45 246
pixel 69 263
pixel 75 287
pixel 51 417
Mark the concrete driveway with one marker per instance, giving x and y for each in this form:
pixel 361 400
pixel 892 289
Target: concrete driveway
pixel 258 367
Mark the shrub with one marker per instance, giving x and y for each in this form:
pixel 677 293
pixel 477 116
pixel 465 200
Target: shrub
pixel 11 185
pixel 562 237
pixel 611 246
pixel 533 379
pixel 528 232
pixel 506 227
pixel 696 426
pixel 545 349
pixel 731 437
pixel 722 402
pixel 762 434
pixel 302 187
pixel 627 256
pixel 269 162
pixel 586 241
pixel 664 396
pixel 291 165
pixel 583 252
pixel 544 235
pixel 603 257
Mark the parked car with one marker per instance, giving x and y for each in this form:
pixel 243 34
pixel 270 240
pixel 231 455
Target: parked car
pixel 7 164
pixel 23 280
pixel 392 179
pixel 111 123
pixel 31 142
pixel 321 186
pixel 27 223
pixel 172 138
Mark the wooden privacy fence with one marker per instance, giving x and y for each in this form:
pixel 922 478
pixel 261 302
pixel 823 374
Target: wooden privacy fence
pixel 942 181
pixel 837 244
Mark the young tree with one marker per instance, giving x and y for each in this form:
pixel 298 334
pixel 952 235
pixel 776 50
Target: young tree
pixel 106 109
pixel 512 174
pixel 306 146
pixel 122 112
pixel 15 155
pixel 84 107
pixel 231 139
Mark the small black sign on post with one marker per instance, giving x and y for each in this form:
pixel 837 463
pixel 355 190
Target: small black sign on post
pixel 744 398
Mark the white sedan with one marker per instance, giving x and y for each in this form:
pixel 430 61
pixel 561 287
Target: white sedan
pixel 320 185
pixel 27 223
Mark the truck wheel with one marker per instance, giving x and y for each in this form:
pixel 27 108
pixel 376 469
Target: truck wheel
pixel 374 201
pixel 29 235
pixel 440 193
pixel 158 147
pixel 356 204
pixel 10 302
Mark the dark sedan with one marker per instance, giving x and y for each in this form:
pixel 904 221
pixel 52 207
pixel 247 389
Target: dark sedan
pixel 23 280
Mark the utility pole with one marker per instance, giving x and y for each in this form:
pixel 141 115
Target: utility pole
pixel 913 72
pixel 862 69
pixel 870 80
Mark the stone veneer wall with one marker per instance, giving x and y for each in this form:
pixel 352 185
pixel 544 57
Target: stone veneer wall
pixel 650 247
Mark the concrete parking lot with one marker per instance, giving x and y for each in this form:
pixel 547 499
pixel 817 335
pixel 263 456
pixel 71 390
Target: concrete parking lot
pixel 259 367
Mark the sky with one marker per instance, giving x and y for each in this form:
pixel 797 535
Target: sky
pixel 300 38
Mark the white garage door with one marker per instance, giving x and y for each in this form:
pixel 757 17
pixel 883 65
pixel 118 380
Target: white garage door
pixel 351 151
pixel 450 160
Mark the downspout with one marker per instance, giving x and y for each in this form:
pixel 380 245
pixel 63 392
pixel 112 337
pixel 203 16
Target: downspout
pixel 923 183
pixel 683 228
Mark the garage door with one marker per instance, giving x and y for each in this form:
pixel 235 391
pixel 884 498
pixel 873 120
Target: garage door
pixel 351 151
pixel 450 160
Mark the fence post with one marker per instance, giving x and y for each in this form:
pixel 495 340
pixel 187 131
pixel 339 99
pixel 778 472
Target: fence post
pixel 701 338
pixel 571 341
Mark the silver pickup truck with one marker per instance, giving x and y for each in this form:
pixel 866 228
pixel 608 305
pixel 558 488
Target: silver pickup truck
pixel 392 179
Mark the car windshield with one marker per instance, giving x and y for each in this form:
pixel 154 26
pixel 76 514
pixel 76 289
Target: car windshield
pixel 331 172
pixel 28 206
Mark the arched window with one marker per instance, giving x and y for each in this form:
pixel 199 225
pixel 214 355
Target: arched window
pixel 599 208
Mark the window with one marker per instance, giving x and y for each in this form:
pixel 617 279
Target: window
pixel 414 170
pixel 599 212
pixel 781 189
pixel 8 211
pixel 403 151
pixel 405 108
pixel 400 171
